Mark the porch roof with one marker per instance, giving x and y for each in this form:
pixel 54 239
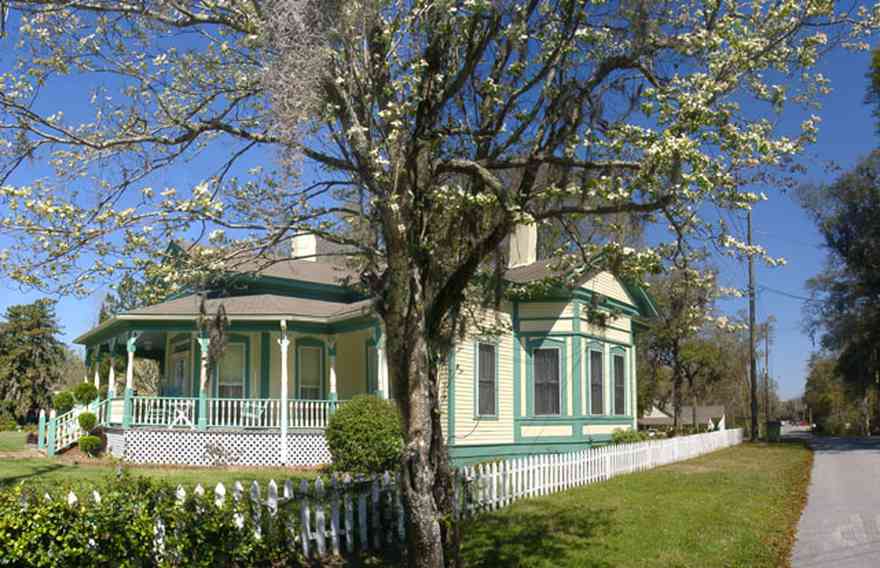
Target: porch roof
pixel 253 308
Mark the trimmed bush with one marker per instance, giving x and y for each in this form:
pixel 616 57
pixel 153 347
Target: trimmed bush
pixel 620 436
pixel 84 393
pixel 63 402
pixel 120 529
pixel 365 436
pixel 87 421
pixel 90 445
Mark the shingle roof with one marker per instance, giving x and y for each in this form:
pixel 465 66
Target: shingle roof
pixel 531 272
pixel 255 305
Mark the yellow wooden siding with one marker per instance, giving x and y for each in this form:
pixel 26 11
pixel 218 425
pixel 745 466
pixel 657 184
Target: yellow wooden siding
pixel 468 428
pixel 547 325
pixel 351 364
pixel 551 310
pixel 603 429
pixel 562 430
pixel 608 285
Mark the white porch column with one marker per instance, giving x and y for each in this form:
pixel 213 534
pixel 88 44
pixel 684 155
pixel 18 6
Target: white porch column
pixel 98 380
pixel 131 346
pixel 284 342
pixel 204 344
pixel 111 377
pixel 331 352
pixel 382 364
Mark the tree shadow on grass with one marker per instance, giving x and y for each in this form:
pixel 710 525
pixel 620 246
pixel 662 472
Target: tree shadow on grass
pixel 36 472
pixel 537 534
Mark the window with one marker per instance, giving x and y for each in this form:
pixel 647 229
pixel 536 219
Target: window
pixel 619 388
pixel 547 392
pixel 231 372
pixel 486 379
pixel 597 392
pixel 310 371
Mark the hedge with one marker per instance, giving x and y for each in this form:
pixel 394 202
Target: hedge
pixel 84 393
pixel 120 529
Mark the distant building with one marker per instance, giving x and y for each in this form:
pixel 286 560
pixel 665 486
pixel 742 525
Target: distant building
pixel 657 417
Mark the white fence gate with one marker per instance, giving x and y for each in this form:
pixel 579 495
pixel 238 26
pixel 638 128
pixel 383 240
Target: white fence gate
pixel 345 516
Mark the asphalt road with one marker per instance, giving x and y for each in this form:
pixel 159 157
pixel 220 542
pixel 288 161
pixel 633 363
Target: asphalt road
pixel 840 526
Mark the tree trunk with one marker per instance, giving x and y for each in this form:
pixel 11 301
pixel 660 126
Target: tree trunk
pixel 426 481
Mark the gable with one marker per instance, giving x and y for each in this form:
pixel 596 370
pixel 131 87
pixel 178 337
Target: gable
pixel 609 286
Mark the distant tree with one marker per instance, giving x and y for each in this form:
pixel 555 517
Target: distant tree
pixel 845 309
pixel 31 357
pixel 72 370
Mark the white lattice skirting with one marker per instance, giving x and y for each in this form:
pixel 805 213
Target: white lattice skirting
pixel 192 447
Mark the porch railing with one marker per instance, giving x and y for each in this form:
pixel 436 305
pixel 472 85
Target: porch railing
pixel 257 413
pixel 165 411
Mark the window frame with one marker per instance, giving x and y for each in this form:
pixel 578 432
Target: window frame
pixel 309 342
pixel 495 346
pixel 246 378
pixel 621 353
pixel 560 352
pixel 596 347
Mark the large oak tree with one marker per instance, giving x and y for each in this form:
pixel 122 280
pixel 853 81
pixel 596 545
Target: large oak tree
pixel 417 133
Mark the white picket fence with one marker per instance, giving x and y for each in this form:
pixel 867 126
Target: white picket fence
pixel 344 516
pixel 495 485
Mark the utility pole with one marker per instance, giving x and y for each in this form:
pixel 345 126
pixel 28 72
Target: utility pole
pixel 767 372
pixel 753 364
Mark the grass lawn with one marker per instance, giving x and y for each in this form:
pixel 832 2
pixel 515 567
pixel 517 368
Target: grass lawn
pixel 12 441
pixel 735 507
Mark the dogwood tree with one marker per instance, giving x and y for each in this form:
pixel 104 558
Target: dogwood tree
pixel 418 133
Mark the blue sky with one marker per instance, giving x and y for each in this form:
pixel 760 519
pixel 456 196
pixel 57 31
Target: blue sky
pixel 846 134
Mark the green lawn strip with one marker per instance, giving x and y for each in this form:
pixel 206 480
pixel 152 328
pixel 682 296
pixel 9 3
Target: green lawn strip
pixel 735 507
pixel 12 441
pixel 52 474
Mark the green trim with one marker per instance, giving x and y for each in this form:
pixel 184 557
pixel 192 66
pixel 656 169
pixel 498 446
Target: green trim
pixel 597 347
pixel 368 387
pixel 127 408
pixel 462 455
pixel 50 436
pixel 309 342
pixel 265 364
pixel 246 341
pixel 559 334
pixel 577 380
pixel 617 351
pixel 41 431
pixel 450 395
pixel 517 356
pixel 496 345
pixel 546 343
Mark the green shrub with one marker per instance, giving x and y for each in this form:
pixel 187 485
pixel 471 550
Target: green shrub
pixel 119 530
pixel 90 445
pixel 8 423
pixel 87 421
pixel 365 436
pixel 63 402
pixel 620 436
pixel 84 393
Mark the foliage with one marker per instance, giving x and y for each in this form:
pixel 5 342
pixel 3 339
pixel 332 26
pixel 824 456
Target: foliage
pixel 8 423
pixel 85 393
pixel 31 357
pixel 365 436
pixel 119 530
pixel 628 436
pixel 87 421
pixel 429 129
pixel 90 444
pixel 836 406
pixel 844 311
pixel 72 370
pixel 63 402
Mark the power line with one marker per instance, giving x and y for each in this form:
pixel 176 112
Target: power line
pixel 764 288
